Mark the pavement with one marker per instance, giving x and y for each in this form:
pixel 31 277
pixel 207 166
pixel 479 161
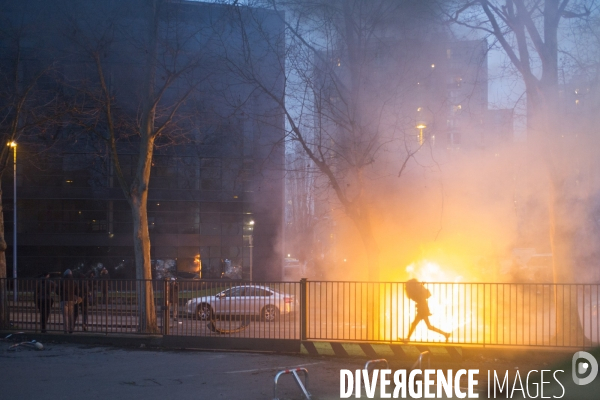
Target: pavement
pixel 137 368
pixel 67 371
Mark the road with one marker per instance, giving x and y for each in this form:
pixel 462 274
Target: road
pixel 70 372
pixel 66 371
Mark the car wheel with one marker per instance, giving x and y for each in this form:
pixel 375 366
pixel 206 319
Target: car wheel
pixel 203 312
pixel 270 313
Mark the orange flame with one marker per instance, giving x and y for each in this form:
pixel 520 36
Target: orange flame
pixel 448 304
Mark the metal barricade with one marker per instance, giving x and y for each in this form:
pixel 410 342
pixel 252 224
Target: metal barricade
pixel 371 363
pixel 424 355
pixel 509 314
pixel 303 388
pixel 378 361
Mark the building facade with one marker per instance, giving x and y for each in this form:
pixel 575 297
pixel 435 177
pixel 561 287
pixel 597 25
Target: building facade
pixel 215 204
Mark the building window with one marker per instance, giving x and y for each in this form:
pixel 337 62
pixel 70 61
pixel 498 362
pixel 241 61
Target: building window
pixel 454 138
pixel 211 174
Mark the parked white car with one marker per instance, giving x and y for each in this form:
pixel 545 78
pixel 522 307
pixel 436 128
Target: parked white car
pixel 268 303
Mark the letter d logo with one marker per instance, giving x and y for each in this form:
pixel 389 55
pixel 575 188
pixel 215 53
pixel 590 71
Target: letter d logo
pixel 590 364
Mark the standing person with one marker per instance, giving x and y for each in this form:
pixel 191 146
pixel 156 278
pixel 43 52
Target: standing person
pixel 418 293
pixel 90 299
pixel 77 277
pixel 174 300
pixel 93 277
pixel 104 278
pixel 68 293
pixel 44 300
pixel 85 289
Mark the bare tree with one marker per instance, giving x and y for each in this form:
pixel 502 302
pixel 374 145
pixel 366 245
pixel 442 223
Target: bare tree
pixel 168 56
pixel 582 96
pixel 347 98
pixel 301 218
pixel 528 33
pixel 29 105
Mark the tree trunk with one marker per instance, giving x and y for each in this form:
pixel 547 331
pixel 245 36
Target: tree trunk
pixel 141 237
pixel 138 195
pixel 4 315
pixel 372 250
pixel 546 131
pixel 362 220
pixel 375 317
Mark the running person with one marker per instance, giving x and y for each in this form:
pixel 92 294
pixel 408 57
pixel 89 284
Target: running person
pixel 418 293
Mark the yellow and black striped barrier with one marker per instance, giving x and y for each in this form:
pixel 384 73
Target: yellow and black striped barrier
pixel 380 350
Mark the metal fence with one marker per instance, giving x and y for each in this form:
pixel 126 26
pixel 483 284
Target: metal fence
pixel 473 313
pixel 185 308
pixel 562 315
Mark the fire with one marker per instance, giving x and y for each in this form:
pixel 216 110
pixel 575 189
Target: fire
pixel 451 306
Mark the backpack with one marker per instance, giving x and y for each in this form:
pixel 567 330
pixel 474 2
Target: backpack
pixel 416 291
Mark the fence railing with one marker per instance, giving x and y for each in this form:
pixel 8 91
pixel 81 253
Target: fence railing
pixel 188 308
pixel 561 315
pixel 473 313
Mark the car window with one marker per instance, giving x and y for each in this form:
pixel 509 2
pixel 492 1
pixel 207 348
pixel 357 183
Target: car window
pixel 249 291
pixel 233 292
pixel 262 292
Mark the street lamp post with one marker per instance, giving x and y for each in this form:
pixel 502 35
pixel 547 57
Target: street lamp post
pixel 420 127
pixel 13 144
pixel 251 243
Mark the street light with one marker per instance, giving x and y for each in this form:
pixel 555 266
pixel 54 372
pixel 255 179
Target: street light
pixel 420 127
pixel 251 245
pixel 13 144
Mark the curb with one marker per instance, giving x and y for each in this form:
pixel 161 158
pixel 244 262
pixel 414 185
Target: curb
pixel 170 342
pixel 407 352
pixel 380 350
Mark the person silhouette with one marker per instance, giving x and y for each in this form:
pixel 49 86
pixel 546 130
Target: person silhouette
pixel 174 298
pixel 68 292
pixel 418 293
pixel 44 301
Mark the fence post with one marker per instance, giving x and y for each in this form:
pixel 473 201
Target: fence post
pixel 303 310
pixel 165 307
pixel 104 288
pixel 4 316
